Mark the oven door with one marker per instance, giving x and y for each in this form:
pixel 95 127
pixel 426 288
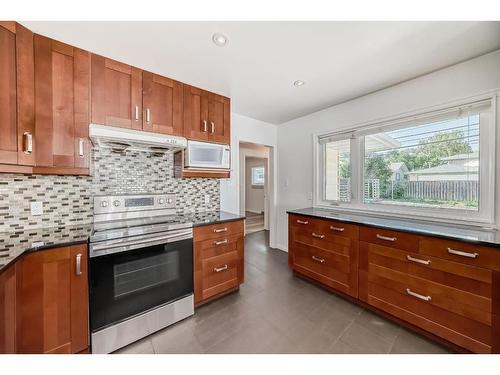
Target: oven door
pixel 129 283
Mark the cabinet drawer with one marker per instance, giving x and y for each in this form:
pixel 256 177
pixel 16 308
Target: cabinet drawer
pixel 460 276
pixel 215 247
pixel 322 240
pixel 219 273
pixel 329 268
pixel 324 226
pixel 391 238
pixel 461 252
pixel 217 231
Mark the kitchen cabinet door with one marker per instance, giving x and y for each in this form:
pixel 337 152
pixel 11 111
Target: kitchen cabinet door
pixel 219 119
pixel 52 307
pixel 16 95
pixel 196 125
pixel 8 311
pixel 162 102
pixel 116 93
pixel 62 105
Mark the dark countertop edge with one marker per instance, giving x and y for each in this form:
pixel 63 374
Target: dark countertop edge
pixel 416 231
pixel 41 248
pixel 237 218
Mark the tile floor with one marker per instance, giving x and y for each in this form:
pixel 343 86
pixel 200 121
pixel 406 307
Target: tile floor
pixel 275 312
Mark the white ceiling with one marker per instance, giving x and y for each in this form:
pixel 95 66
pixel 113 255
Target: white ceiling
pixel 337 60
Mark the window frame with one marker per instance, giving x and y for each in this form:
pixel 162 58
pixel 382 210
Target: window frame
pixel 487 167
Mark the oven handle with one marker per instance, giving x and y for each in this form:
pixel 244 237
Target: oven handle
pixel 104 249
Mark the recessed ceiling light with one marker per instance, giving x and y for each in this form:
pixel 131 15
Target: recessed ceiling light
pixel 220 40
pixel 299 83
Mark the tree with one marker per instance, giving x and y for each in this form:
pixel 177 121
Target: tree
pixel 376 167
pixel 344 168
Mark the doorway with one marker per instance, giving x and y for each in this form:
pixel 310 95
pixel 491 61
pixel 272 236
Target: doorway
pixel 254 186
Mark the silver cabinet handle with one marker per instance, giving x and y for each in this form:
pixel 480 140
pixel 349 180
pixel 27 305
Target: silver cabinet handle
pixel 213 127
pixel 338 229
pixel 220 230
pixel 416 260
pixel 392 239
pixel 136 113
pixel 221 268
pixel 148 115
pixel 220 242
pixel 78 268
pixel 205 126
pixel 318 235
pixel 28 143
pixel 320 260
pixel 419 296
pixel 80 147
pixel 302 222
pixel 462 253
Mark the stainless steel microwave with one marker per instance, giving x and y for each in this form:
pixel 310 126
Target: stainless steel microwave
pixel 207 155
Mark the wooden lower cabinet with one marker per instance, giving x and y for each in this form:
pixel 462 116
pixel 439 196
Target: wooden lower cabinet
pixel 431 284
pixel 52 301
pixel 8 311
pixel 218 260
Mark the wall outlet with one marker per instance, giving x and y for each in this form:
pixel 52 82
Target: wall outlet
pixel 36 208
pixel 207 199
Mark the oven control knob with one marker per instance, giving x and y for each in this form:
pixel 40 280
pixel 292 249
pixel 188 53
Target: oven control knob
pixel 169 200
pixel 116 203
pixel 161 201
pixel 104 204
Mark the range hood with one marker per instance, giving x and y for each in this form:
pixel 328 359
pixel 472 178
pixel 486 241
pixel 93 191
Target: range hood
pixel 121 139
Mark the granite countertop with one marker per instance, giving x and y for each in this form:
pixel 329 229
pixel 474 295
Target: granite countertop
pixel 488 237
pixel 18 242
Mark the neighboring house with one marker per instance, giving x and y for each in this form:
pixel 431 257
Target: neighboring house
pixel 463 167
pixel 399 171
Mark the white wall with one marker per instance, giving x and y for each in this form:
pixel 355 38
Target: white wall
pixel 246 129
pixel 295 165
pixel 254 196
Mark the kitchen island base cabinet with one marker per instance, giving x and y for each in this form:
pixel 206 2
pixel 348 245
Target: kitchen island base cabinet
pixel 447 289
pixel 218 260
pixel 52 301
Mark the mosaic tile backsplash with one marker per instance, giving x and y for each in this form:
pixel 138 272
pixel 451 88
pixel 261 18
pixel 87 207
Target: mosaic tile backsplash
pixel 68 200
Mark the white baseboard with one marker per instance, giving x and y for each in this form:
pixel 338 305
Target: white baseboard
pixel 282 248
pixel 255 212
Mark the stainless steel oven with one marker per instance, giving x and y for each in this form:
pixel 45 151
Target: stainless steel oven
pixel 141 270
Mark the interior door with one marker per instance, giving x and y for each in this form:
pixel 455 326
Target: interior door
pixel 61 104
pixel 116 93
pixel 218 118
pixel 196 125
pixel 162 102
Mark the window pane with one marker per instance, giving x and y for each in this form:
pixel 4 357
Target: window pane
pixel 337 171
pixel 258 176
pixel 435 164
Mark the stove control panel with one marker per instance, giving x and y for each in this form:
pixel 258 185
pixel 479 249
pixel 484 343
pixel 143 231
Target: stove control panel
pixel 128 203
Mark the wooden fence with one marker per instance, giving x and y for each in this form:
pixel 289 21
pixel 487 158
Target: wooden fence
pixel 442 190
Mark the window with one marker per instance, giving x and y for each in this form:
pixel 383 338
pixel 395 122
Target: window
pixel 337 171
pixel 258 176
pixel 438 164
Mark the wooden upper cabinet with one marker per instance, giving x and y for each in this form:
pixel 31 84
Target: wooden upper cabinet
pixel 16 95
pixel 218 119
pixel 206 116
pixel 116 93
pixel 62 85
pixel 162 104
pixel 52 308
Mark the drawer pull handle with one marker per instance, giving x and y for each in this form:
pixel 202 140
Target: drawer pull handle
pixel 318 235
pixel 28 143
pixel 302 222
pixel 320 260
pixel 220 269
pixel 220 242
pixel 78 265
pixel 220 230
pixel 385 238
pixel 416 260
pixel 338 229
pixel 462 253
pixel 419 296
